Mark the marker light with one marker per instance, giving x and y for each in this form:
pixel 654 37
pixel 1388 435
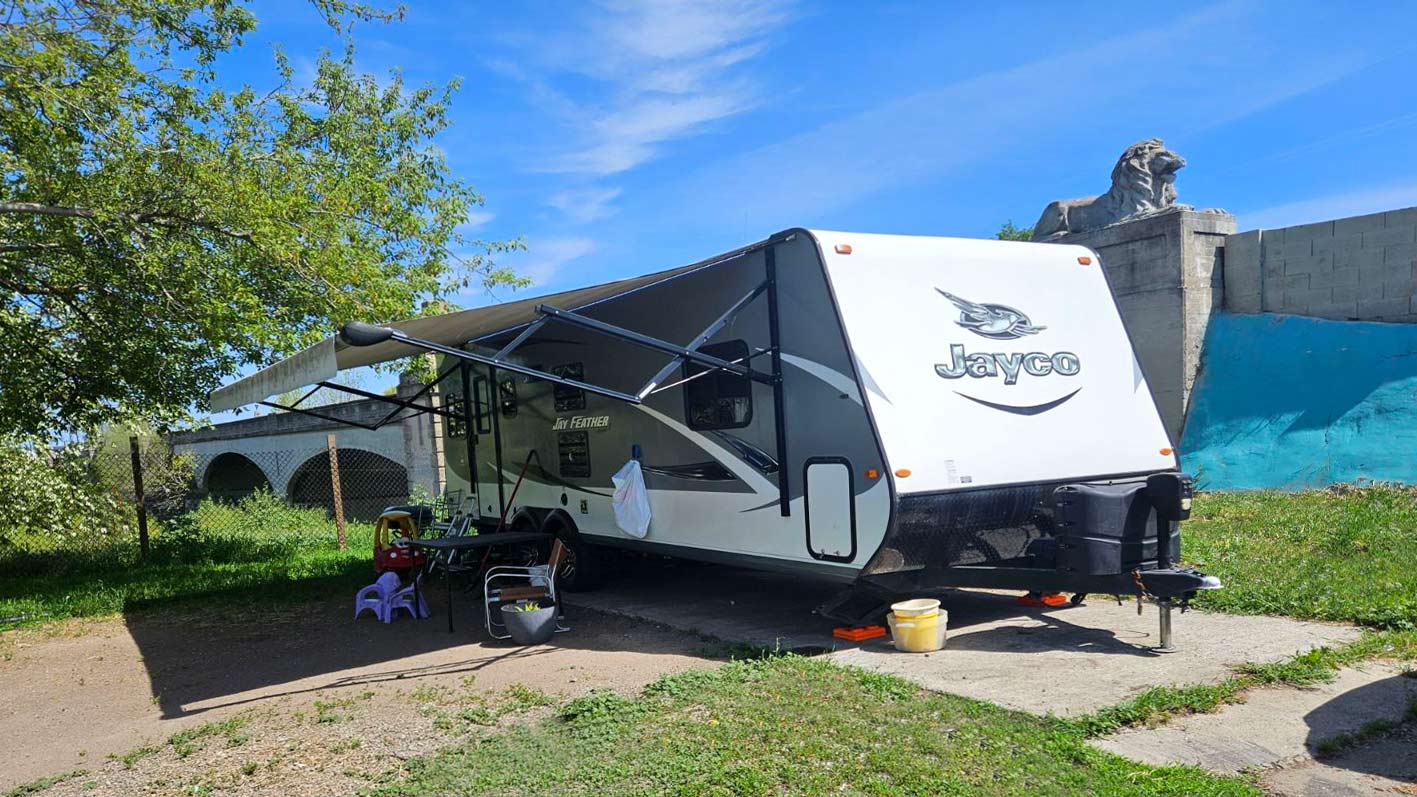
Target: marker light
pixel 903 472
pixel 1165 452
pixel 843 249
pixel 1084 261
pixel 872 473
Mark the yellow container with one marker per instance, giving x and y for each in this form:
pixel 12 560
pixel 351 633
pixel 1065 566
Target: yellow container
pixel 921 634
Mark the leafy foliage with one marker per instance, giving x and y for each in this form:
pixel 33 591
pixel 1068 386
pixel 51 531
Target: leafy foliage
pixel 71 505
pixel 159 230
pixel 1009 232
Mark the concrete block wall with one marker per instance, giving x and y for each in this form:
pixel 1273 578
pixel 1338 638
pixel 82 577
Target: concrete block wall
pixel 1361 268
pixel 1167 274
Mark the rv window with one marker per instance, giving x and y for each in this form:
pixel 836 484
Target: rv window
pixel 569 398
pixel 482 401
pixel 718 400
pixel 457 428
pixel 509 397
pixel 573 451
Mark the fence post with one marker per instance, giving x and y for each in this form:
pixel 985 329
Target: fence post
pixel 335 489
pixel 139 502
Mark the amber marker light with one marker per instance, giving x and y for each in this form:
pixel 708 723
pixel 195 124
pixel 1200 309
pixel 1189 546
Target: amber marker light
pixel 1084 261
pixel 903 472
pixel 843 249
pixel 1166 452
pixel 872 473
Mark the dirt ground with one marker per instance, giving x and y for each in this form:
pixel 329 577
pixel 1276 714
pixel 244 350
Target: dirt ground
pixel 305 701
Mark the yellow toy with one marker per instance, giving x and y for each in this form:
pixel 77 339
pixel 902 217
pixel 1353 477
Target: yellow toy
pixel 391 551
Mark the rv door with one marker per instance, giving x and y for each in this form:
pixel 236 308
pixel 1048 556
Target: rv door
pixel 830 509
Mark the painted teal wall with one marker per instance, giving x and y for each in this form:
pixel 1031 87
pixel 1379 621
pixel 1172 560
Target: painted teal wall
pixel 1289 402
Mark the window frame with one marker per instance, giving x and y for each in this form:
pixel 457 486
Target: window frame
pixel 697 376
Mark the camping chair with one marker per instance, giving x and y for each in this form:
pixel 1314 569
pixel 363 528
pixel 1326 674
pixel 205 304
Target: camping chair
pixel 448 509
pixel 458 528
pixel 537 582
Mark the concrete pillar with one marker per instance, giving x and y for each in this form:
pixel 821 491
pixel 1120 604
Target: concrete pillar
pixel 1167 272
pixel 422 442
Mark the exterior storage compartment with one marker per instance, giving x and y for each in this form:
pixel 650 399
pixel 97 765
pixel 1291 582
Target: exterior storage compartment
pixel 1104 529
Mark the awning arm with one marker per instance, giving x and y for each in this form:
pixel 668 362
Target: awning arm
pixel 640 339
pixel 702 338
pixel 360 334
pixel 400 404
pixel 322 416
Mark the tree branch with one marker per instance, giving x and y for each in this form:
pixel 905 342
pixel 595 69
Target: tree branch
pixel 36 209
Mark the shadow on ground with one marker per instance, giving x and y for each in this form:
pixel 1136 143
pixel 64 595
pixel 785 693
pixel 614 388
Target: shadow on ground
pixel 200 663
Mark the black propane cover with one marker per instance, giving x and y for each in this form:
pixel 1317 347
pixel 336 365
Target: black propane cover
pixel 1106 529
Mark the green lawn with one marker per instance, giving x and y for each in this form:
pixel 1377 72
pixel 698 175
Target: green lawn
pixel 293 577
pixel 793 726
pixel 1348 555
pixel 259 550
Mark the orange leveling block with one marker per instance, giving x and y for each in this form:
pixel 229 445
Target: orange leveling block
pixel 859 633
pixel 1045 600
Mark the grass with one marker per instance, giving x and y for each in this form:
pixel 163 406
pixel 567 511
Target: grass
pixel 37 786
pixel 258 551
pixel 1344 554
pixel 792 726
pixel 185 743
pixel 1159 704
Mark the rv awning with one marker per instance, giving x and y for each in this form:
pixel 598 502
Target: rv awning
pixel 325 359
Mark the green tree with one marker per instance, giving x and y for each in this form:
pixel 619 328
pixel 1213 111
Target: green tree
pixel 160 229
pixel 1009 232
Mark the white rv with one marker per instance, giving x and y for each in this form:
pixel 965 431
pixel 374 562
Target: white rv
pixel 895 411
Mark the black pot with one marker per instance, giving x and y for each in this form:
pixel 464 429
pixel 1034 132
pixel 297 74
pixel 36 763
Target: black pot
pixel 530 628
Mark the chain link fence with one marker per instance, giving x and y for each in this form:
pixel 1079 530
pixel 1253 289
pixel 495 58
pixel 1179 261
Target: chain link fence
pixel 115 501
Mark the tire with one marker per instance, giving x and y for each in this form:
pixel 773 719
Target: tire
pixel 580 570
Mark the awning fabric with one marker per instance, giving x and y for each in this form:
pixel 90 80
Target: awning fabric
pixel 327 358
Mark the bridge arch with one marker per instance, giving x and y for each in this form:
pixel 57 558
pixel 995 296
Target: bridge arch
pixel 231 476
pixel 369 482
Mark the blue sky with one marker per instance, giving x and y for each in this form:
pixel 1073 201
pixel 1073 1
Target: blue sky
pixel 624 137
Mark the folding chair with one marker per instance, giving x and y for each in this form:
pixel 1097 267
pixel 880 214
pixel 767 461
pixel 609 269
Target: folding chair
pixel 458 528
pixel 448 509
pixel 539 582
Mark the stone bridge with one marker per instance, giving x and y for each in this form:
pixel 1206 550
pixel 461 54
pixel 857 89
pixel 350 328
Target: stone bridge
pixel 287 453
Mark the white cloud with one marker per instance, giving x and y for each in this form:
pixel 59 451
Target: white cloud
pixel 546 258
pixel 660 70
pixel 585 205
pixel 1373 199
pixel 476 217
pixel 1000 114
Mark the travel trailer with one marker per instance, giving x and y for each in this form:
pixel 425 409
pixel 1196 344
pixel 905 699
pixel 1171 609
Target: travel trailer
pixel 896 413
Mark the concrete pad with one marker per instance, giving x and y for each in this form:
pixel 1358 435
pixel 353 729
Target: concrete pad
pixel 1079 659
pixel 1274 725
pixel 1386 766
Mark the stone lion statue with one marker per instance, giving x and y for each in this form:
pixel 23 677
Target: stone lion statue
pixel 1143 182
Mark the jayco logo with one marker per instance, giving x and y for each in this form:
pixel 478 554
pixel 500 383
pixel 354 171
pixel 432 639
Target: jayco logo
pixel 1001 322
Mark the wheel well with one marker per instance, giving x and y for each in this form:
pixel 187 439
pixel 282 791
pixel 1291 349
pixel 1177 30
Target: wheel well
pixel 524 519
pixel 559 520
